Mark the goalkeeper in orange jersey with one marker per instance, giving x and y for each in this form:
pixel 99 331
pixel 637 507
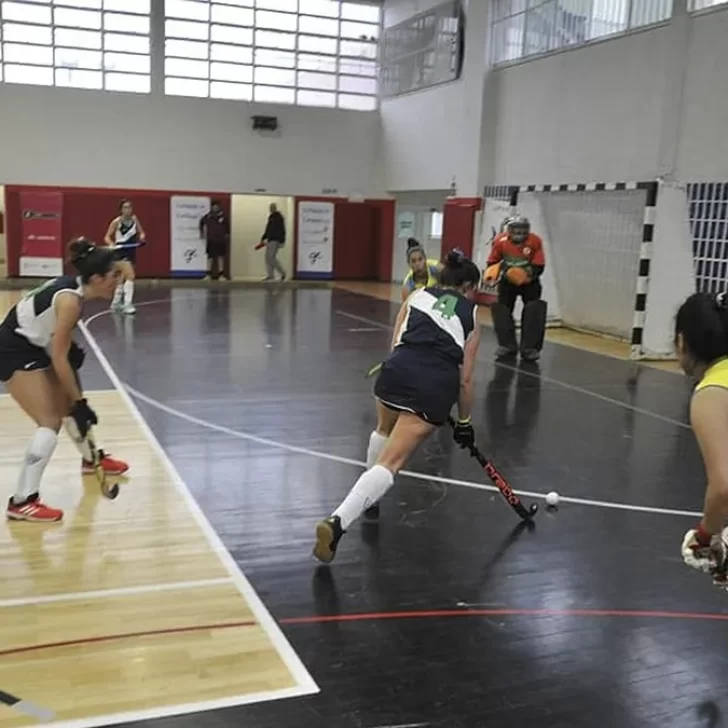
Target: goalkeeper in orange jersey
pixel 517 261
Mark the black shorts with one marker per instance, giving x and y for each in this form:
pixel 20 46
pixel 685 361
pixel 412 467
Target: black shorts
pixel 417 381
pixel 18 354
pixel 127 254
pixel 216 248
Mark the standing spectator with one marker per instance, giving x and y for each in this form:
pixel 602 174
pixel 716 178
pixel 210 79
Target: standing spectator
pixel 215 229
pixel 274 238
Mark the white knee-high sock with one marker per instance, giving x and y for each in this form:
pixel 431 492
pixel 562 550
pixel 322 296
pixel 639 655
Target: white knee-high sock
pixel 370 487
pixel 118 294
pixel 376 445
pixel 128 292
pixel 39 452
pixel 81 444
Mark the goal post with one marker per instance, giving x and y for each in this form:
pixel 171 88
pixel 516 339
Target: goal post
pixel 618 257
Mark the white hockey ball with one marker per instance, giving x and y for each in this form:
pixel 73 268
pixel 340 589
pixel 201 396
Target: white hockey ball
pixel 552 499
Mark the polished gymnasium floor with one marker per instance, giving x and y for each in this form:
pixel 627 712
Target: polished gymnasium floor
pixel 193 600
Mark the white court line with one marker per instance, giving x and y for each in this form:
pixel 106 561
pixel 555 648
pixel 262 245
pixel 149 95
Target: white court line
pixel 409 473
pixel 181 709
pixel 108 312
pixel 543 378
pixel 119 592
pixel 305 683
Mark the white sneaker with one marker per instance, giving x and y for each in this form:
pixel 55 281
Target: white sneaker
pixel 129 309
pixel 116 307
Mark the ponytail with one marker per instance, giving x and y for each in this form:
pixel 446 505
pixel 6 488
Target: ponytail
pixel 459 270
pixel 413 246
pixel 88 259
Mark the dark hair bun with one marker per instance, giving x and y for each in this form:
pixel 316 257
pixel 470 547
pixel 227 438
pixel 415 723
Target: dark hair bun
pixel 455 258
pixel 79 249
pixel 412 243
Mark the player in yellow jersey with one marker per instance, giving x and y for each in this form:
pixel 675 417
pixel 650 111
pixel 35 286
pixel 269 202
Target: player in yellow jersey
pixel 424 271
pixel 701 340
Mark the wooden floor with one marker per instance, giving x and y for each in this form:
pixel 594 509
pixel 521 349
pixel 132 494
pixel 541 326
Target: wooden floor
pixel 126 607
pixel 444 614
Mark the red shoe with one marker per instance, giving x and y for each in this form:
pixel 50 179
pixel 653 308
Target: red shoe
pixel 33 510
pixel 110 465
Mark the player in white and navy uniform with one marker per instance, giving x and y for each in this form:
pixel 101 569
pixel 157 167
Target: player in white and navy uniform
pixel 430 368
pixel 39 363
pixel 125 230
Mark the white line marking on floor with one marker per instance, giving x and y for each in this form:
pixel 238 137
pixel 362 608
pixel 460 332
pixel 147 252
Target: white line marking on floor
pixel 544 378
pixel 305 684
pixel 119 592
pixel 174 710
pixel 170 299
pixel 409 473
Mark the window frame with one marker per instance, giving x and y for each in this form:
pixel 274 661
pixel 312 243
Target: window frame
pixel 504 52
pixel 71 46
pixel 297 57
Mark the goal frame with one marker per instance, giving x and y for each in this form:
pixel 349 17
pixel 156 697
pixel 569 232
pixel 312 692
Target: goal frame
pixel 651 187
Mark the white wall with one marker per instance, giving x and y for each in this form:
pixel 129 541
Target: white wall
pixel 90 138
pixel 431 136
pixel 616 110
pixel 703 149
pixel 422 139
pixel 591 114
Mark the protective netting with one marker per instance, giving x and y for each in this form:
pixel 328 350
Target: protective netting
pixel 592 241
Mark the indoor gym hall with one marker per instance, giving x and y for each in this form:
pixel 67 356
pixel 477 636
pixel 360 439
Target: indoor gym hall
pixel 448 612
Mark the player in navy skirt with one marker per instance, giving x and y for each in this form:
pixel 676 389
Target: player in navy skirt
pixel 430 369
pixel 125 230
pixel 39 363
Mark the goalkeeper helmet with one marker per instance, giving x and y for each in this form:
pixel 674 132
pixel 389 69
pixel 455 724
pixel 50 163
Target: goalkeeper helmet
pixel 519 229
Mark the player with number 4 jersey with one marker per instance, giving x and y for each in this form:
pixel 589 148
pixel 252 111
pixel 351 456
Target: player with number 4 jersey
pixel 429 369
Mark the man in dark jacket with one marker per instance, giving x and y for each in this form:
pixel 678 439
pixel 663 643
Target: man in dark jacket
pixel 215 229
pixel 274 238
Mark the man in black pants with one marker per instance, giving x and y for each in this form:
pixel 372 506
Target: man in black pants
pixel 522 260
pixel 274 238
pixel 215 229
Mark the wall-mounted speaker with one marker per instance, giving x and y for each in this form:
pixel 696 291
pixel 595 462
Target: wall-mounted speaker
pixel 265 123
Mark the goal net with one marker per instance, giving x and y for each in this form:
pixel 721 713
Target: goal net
pixel 593 242
pixel 607 247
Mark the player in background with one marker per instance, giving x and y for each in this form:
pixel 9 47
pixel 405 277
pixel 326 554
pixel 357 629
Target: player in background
pixel 429 369
pixel 125 230
pixel 423 270
pixel 39 363
pixel 215 230
pixel 701 341
pixel 519 252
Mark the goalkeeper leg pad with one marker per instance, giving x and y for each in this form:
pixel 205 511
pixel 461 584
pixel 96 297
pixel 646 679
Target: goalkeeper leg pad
pixel 505 331
pixel 533 329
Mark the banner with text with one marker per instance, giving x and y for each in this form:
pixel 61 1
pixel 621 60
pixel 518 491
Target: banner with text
pixel 41 233
pixel 187 248
pixel 315 239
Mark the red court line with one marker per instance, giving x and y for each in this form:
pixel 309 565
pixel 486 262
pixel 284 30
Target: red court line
pixel 464 612
pixel 381 616
pixel 126 635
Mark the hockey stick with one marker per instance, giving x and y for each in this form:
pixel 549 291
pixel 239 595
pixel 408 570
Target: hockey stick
pixel 373 370
pixel 501 483
pixel 109 491
pixel 128 246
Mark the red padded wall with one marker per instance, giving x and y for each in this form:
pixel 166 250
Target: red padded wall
pixel 458 224
pixel 88 211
